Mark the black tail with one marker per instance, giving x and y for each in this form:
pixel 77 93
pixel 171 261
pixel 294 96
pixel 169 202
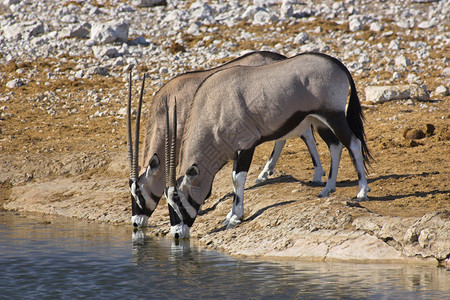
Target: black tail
pixel 355 119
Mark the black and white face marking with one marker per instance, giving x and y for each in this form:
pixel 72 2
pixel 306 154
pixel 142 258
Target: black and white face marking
pixel 143 202
pixel 183 209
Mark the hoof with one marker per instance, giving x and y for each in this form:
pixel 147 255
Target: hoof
pixel 362 195
pixel 326 193
pixel 261 179
pixel 317 183
pixel 226 222
pixel 361 198
pixel 233 222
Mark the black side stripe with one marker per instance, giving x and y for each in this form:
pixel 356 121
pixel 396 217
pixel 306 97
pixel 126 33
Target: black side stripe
pixel 187 219
pixel 192 202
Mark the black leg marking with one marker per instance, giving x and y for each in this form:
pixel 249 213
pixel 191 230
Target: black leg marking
pixel 242 164
pixel 330 139
pixel 315 163
pixel 243 160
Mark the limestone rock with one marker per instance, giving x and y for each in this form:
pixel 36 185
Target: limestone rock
pixel 15 83
pixel 104 33
pixel 396 92
pixel 147 3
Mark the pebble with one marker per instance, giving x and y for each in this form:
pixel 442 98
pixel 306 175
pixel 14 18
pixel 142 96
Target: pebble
pixel 355 25
pixel 441 91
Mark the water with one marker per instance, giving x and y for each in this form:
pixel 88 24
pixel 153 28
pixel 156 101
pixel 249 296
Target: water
pixel 58 258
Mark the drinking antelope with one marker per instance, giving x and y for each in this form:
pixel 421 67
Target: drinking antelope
pixel 148 185
pixel 238 108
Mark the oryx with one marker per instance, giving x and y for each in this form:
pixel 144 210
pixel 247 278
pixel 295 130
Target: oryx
pixel 236 109
pixel 147 188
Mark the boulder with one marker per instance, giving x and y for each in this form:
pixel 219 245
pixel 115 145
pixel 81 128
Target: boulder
pixel 201 11
pixel 148 3
pixel 396 92
pixel 14 83
pixel 104 33
pixel 75 31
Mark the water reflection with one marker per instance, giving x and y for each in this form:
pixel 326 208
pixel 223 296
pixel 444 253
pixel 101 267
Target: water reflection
pixel 201 273
pixel 44 257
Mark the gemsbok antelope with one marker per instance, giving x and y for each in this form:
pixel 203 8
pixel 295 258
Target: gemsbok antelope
pixel 236 109
pixel 148 185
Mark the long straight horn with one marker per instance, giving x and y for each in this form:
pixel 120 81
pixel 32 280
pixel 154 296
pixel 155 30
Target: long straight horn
pixel 169 182
pixel 136 134
pixel 173 146
pixel 133 174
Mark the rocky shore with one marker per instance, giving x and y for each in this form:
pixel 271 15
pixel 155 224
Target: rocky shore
pixel 63 70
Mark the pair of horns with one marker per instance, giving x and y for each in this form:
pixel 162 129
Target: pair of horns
pixel 170 146
pixel 133 156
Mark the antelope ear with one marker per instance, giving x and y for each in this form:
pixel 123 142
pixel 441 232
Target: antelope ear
pixel 192 173
pixel 153 165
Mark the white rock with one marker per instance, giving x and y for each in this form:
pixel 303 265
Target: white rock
pixel 94 11
pixel 172 16
pixel 147 3
pixel 375 26
pixel 446 72
pixel 193 29
pixel 14 83
pixel 396 92
pixel 265 2
pixel 362 248
pixel 69 19
pixel 286 10
pixel 262 17
pixel 364 59
pixel 396 76
pixel 10 2
pixel 98 71
pixel 310 48
pixel 122 112
pixel 35 28
pixel 12 32
pixel 413 78
pixel 101 51
pixel 428 24
pixel 163 70
pixel 75 31
pixel 79 74
pixel 23 30
pixel 201 11
pixel 355 25
pixel 441 91
pixel 251 11
pixel 426 237
pixel 301 38
pixel 394 45
pixel 402 61
pixel 103 33
pixel 406 24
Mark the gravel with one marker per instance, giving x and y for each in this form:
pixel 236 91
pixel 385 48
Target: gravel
pixel 110 37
